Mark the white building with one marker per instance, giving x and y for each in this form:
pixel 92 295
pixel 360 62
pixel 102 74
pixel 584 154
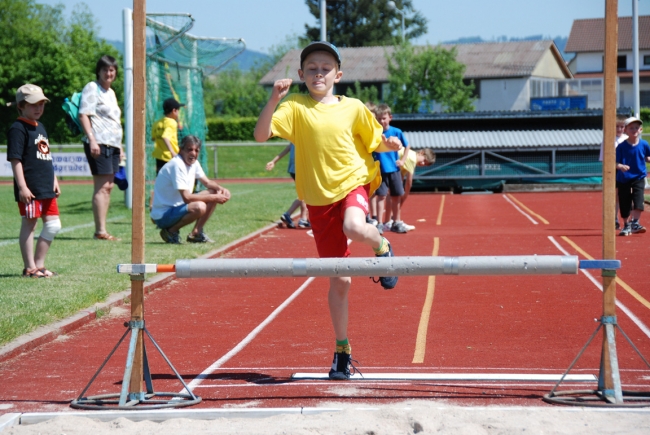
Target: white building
pixel 587 41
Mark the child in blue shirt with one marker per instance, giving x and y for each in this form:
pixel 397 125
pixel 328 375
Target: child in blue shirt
pixel 631 156
pixel 391 176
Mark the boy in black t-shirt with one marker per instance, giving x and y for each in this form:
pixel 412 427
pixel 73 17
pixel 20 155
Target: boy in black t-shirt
pixel 35 185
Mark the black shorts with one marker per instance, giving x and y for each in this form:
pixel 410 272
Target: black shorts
pixel 159 165
pixel 391 182
pixel 630 196
pixel 108 161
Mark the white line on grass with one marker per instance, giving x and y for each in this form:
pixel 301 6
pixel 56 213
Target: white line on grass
pixel 520 210
pixel 65 230
pixel 598 285
pixel 221 361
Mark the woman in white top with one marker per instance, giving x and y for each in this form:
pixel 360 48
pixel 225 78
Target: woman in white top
pixel 100 114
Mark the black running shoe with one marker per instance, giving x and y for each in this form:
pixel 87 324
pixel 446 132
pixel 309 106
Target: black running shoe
pixel 341 364
pixel 387 282
pixel 286 218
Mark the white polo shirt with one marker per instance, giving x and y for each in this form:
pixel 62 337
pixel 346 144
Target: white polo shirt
pixel 174 176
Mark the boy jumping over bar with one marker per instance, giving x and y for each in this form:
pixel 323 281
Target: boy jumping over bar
pixel 334 137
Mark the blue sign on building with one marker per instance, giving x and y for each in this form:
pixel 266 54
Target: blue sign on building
pixel 576 102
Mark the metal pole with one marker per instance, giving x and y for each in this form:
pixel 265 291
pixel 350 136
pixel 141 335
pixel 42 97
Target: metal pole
pixel 635 56
pixel 127 24
pixel 323 20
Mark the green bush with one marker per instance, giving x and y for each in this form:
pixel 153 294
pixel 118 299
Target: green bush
pixel 230 129
pixel 645 115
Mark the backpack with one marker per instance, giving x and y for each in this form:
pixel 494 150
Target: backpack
pixel 71 109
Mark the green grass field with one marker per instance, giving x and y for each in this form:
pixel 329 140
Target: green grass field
pixel 86 267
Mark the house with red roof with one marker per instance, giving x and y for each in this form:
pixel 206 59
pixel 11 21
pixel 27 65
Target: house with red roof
pixel 587 41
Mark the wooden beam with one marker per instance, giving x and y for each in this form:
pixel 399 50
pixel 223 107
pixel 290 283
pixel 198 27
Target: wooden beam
pixel 139 169
pixel 609 176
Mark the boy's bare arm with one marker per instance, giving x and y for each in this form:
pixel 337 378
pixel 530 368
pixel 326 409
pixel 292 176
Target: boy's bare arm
pixel 263 127
pixel 389 144
pixel 270 165
pixel 24 194
pixel 169 146
pixel 401 162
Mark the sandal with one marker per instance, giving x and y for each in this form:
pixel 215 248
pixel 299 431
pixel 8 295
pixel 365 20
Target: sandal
pixel 105 236
pixel 47 273
pixel 33 273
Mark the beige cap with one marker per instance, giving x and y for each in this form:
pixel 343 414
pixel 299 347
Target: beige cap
pixel 30 93
pixel 632 119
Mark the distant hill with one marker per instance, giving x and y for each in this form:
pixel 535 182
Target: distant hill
pixel 248 59
pixel 245 60
pixel 560 41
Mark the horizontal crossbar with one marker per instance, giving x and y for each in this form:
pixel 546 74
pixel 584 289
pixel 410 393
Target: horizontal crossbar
pixel 382 266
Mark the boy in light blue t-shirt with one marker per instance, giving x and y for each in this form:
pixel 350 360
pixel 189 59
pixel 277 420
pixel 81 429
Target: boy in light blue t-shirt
pixel 390 174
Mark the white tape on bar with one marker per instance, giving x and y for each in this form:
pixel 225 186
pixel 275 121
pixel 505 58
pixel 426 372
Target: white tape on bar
pixel 373 266
pixel 137 268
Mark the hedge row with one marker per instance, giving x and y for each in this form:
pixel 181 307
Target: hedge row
pixel 230 129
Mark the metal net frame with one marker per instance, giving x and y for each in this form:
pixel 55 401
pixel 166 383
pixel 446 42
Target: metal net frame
pixel 177 62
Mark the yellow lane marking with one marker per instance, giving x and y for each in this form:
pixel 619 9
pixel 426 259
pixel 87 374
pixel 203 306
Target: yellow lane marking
pixel 442 206
pixel 521 204
pixel 619 281
pixel 421 340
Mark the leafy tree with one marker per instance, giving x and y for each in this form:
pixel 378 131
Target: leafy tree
pixel 38 45
pixel 365 23
pixel 364 94
pixel 422 76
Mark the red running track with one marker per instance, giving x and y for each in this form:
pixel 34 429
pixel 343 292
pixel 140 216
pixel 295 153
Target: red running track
pixel 237 341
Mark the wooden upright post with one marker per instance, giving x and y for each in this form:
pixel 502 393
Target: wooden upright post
pixel 609 370
pixel 139 167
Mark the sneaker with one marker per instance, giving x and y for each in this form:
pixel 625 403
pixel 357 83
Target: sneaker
pixel 387 282
pixel 286 218
pixel 384 227
pixel 199 238
pixel 637 228
pixel 380 228
pixel 371 221
pixel 408 227
pixel 398 227
pixel 304 223
pixel 170 237
pixel 627 230
pixel 341 364
pixel 617 225
pixel 389 224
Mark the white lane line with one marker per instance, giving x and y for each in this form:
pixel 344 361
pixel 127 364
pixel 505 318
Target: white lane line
pixel 453 377
pixel 221 361
pixel 530 218
pixel 65 230
pixel 598 285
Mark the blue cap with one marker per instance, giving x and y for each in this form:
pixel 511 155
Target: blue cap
pixel 321 46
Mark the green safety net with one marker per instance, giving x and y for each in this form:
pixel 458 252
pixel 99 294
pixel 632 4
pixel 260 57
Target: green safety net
pixel 176 65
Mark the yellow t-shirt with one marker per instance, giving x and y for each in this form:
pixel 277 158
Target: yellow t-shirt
pixel 333 145
pixel 164 128
pixel 410 163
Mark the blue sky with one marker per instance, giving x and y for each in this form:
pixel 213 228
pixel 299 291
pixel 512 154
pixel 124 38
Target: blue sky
pixel 264 23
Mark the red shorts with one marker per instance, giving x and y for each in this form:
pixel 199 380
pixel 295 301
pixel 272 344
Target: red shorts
pixel 327 223
pixel 39 208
